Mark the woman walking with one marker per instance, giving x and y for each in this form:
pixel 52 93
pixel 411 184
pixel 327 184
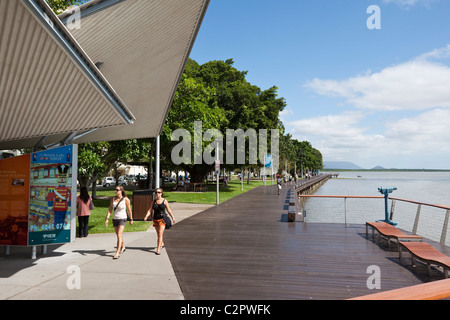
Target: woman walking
pixel 158 207
pixel 119 206
pixel 84 207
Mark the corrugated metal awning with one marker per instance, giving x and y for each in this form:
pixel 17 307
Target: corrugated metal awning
pixel 48 85
pixel 142 45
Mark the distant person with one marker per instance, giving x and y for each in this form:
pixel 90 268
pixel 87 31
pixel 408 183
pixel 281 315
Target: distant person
pixel 84 207
pixel 119 206
pixel 279 184
pixel 157 211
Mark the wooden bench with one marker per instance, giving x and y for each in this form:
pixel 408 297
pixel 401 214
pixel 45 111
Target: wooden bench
pixel 428 254
pixel 435 290
pixel 390 232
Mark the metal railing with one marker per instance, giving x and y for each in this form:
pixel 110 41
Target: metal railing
pixel 419 218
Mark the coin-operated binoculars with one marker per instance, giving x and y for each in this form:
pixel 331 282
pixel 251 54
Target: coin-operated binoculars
pixel 386 192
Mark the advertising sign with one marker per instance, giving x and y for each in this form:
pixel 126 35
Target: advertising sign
pixel 268 161
pixel 50 209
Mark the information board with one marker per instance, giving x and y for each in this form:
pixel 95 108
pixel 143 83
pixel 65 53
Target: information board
pixel 51 197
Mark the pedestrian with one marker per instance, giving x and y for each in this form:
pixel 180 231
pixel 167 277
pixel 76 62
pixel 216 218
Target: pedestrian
pixel 157 211
pixel 279 184
pixel 84 207
pixel 119 206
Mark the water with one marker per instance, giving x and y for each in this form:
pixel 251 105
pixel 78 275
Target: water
pixel 427 187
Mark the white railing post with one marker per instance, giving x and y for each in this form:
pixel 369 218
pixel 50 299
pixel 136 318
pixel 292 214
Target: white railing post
pixel 444 228
pixel 416 221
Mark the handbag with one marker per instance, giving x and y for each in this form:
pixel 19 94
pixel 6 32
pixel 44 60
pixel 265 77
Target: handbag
pixel 167 221
pixel 91 205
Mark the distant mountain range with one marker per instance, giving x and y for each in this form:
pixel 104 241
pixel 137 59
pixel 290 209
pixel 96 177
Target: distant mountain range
pixel 345 165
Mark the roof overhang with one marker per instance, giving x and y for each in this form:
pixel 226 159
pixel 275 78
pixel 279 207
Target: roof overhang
pixel 48 85
pixel 141 45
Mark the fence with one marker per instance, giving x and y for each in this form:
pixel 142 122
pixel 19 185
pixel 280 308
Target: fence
pixel 424 219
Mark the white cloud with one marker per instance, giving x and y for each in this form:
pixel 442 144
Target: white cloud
pixel 404 139
pixel 415 85
pixel 409 3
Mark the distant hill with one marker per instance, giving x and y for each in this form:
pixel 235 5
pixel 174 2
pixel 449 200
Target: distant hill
pixel 378 168
pixel 345 165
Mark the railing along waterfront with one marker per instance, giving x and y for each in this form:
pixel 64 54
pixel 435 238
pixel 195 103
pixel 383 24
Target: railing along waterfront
pixel 424 219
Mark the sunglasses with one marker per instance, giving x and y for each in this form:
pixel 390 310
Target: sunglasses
pixel 118 190
pixel 158 192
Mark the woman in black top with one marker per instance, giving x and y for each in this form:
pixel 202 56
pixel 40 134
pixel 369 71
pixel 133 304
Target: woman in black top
pixel 158 207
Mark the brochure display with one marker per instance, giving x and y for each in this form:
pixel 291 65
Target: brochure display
pixel 39 191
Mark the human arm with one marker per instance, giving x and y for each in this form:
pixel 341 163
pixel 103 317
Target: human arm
pixel 109 212
pixel 130 213
pixel 169 211
pixel 149 212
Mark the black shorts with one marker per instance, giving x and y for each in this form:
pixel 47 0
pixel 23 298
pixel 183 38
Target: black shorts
pixel 119 223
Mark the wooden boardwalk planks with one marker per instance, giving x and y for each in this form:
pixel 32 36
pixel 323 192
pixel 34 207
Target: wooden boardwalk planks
pixel 245 249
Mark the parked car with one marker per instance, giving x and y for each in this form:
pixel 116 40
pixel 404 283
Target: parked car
pixel 123 181
pixel 108 181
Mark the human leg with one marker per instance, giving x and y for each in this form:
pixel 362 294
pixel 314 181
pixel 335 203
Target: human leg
pixel 160 232
pixel 119 232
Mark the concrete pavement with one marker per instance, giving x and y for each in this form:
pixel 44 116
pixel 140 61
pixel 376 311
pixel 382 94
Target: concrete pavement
pixel 85 270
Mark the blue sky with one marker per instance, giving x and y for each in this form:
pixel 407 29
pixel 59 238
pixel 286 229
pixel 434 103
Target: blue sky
pixel 372 97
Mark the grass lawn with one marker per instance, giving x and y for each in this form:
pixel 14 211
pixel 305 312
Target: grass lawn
pixel 98 215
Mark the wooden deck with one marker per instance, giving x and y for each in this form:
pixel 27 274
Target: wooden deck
pixel 245 249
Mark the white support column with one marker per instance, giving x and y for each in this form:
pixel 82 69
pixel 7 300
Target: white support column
pixel 158 162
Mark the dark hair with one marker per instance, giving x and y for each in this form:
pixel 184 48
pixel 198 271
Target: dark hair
pixel 84 195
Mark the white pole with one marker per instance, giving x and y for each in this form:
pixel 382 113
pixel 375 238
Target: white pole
pixel 158 163
pixel 265 156
pixel 218 174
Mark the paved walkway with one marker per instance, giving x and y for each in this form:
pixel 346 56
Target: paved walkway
pixel 139 274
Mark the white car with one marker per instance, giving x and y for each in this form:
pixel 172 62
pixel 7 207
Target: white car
pixel 108 181
pixel 123 182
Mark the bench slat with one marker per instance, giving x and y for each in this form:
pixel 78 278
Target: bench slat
pixel 427 253
pixel 390 231
pixel 436 290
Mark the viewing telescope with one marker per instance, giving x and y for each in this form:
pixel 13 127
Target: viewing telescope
pixel 386 192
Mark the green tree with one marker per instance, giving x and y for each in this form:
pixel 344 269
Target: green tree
pixel 59 6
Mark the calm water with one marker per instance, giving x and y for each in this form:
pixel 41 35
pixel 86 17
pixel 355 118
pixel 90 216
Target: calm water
pixel 428 187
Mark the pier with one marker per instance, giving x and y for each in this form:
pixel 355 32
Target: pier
pixel 245 249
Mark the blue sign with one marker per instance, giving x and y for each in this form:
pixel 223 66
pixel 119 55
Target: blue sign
pixel 268 161
pixel 50 208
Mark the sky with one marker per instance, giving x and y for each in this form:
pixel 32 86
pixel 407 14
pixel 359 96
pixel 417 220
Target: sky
pixel 371 96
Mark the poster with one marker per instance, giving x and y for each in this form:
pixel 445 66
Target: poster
pixel 14 200
pixel 50 209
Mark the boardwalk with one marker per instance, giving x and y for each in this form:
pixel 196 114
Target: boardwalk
pixel 245 249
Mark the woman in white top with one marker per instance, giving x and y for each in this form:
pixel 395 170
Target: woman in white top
pixel 119 206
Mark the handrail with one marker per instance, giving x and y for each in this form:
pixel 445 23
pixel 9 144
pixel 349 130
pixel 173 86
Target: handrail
pixel 322 196
pixel 441 206
pixel 418 213
pixel 436 290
